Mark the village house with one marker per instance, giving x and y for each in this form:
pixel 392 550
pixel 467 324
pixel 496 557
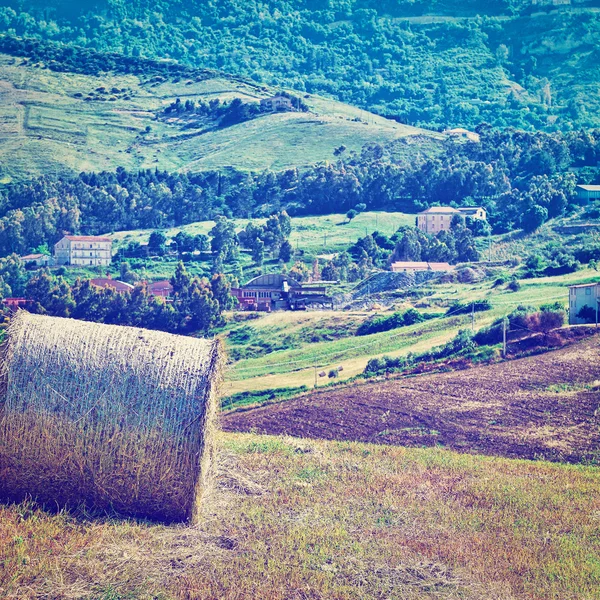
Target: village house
pixel 587 193
pixel 415 266
pixel 580 296
pixel 277 103
pixel 280 292
pixel 463 134
pixel 439 218
pixel 39 260
pixel 83 250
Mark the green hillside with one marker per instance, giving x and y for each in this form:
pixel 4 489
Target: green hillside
pixel 59 121
pixel 432 64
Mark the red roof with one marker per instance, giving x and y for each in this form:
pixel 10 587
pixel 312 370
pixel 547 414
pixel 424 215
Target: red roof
pixel 87 238
pixel 106 282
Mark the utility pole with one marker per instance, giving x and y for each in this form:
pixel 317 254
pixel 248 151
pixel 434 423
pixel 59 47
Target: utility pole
pixel 472 316
pixel 597 306
pixel 504 337
pixel 315 376
pixel 490 247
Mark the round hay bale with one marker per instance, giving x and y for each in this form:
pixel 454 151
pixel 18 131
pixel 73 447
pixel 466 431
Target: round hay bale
pixel 116 418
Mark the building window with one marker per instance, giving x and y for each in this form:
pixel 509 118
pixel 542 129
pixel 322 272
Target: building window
pixel 588 291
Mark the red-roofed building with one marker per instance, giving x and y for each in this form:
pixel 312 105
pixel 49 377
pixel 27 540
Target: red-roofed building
pixel 160 289
pixel 15 303
pixel 40 260
pixel 83 250
pixel 115 284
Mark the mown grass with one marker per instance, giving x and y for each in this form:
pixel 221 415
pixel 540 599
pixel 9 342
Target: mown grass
pixel 294 518
pixel 46 129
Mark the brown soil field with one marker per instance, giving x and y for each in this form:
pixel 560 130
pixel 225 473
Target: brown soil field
pixel 540 407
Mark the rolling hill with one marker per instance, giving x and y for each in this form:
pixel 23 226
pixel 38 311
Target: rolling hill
pixel 433 64
pixel 53 122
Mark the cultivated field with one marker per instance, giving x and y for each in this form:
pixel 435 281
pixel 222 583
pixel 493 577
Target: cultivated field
pixel 546 406
pixel 299 519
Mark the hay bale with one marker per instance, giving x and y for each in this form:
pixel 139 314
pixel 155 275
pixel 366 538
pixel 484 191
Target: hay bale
pixel 118 418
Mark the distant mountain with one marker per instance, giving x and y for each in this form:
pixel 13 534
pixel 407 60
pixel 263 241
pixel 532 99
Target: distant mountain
pixel 116 111
pixel 533 64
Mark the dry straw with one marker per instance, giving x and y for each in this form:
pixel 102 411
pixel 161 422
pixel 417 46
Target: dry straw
pixel 116 418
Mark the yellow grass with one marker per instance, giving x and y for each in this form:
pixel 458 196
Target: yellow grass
pixel 307 519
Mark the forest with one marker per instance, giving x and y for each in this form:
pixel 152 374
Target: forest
pixel 477 61
pixel 521 178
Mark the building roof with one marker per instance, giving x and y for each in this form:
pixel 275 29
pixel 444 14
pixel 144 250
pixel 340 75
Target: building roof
pixel 408 264
pixel 160 285
pixel 584 285
pixel 441 210
pixel 33 256
pixel 590 188
pixel 86 238
pixel 271 281
pixel 106 282
pixel 470 208
pixel 441 266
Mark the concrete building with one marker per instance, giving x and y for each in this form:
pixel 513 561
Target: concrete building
pixel 280 292
pixel 277 103
pixel 415 266
pixel 463 134
pixel 587 193
pixel 39 260
pixel 439 218
pixel 580 296
pixel 83 250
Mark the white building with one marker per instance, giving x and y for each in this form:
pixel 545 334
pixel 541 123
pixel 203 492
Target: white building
pixel 587 193
pixel 587 294
pixel 83 250
pixel 439 218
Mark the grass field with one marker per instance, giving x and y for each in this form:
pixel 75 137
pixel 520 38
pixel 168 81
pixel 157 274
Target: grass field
pixel 295 367
pixel 325 234
pixel 45 128
pixel 302 519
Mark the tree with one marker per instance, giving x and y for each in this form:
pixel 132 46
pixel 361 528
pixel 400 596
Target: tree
pixel 408 248
pixel 534 218
pixel 351 214
pixel 258 252
pixel 157 243
pixel 126 273
pixel 50 295
pixel 285 251
pixel 221 291
pixel 224 239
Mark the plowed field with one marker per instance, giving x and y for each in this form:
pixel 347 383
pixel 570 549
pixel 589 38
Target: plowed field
pixel 540 407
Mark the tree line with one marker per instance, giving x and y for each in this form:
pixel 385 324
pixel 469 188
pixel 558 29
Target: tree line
pixel 521 178
pixel 196 305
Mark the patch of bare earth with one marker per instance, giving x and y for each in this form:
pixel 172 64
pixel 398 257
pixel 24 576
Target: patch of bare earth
pixel 540 407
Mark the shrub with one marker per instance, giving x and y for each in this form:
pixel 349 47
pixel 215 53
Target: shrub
pixel 587 314
pixel 514 285
pixel 463 309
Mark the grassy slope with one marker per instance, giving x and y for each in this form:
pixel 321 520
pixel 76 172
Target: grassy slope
pixel 307 519
pixel 354 353
pixel 44 128
pixel 314 235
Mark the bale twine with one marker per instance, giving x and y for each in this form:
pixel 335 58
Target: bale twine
pixel 116 418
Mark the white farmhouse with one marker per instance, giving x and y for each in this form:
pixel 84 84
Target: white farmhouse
pixel 580 296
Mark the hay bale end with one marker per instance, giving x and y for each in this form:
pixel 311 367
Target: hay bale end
pixel 117 418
